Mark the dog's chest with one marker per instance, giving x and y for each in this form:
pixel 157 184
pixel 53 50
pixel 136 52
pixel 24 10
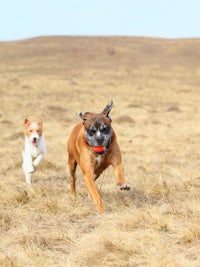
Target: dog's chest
pixel 98 160
pixel 35 151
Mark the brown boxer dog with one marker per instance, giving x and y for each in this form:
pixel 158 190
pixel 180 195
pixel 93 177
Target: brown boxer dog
pixel 93 145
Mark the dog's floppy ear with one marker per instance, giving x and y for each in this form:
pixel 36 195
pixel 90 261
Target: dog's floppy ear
pixel 107 110
pixel 83 116
pixel 27 122
pixel 40 122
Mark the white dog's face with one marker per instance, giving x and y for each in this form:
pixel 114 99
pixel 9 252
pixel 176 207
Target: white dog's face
pixel 33 130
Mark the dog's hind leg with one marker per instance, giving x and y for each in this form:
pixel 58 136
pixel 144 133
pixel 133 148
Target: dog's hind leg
pixel 72 169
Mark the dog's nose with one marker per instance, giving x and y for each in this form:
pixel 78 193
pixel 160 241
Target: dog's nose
pixel 99 139
pixel 34 138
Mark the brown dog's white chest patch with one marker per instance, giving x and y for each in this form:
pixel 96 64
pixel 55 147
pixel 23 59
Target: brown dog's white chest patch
pixel 98 161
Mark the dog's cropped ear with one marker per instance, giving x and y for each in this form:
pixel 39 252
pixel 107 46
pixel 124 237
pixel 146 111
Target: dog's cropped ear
pixel 27 122
pixel 107 110
pixel 83 116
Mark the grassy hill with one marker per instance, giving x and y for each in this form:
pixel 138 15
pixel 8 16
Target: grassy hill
pixel 154 84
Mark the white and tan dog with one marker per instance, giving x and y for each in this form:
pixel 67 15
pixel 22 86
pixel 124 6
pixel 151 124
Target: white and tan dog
pixel 34 148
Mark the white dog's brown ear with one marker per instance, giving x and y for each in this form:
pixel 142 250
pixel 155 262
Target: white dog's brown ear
pixel 27 122
pixel 83 116
pixel 107 110
pixel 40 122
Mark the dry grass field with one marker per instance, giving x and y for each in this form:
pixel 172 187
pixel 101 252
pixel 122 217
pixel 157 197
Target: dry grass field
pixel 155 86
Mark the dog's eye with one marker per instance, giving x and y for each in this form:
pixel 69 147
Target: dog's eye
pixel 91 132
pixel 105 130
pixel 30 131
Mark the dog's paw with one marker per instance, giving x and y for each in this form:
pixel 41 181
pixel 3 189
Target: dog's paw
pixel 30 169
pixel 35 163
pixel 124 186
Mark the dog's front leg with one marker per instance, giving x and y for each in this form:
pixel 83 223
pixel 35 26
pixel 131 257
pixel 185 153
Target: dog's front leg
pixel 87 171
pixel 119 173
pixel 28 177
pixel 37 161
pixel 27 167
pixel 27 163
pixel 93 191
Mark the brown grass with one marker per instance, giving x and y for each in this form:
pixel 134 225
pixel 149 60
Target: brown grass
pixel 155 87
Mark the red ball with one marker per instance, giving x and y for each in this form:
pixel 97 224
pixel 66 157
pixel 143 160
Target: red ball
pixel 98 149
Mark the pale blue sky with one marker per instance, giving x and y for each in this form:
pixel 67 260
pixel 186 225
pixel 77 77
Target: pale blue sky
pixel 20 19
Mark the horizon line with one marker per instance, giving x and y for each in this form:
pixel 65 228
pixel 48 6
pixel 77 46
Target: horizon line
pixel 97 36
